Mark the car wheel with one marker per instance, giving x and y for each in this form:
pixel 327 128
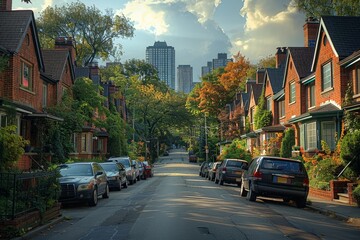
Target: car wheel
pixel 221 181
pixel 107 191
pixel 243 192
pixel 300 202
pixel 93 201
pixel 251 195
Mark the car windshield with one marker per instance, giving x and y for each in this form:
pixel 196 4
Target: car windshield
pixel 110 167
pixel 282 165
pixel 76 170
pixel 125 162
pixel 235 164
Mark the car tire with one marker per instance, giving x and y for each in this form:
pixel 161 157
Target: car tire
pixel 120 185
pixel 300 202
pixel 93 201
pixel 221 181
pixel 243 192
pixel 251 195
pixel 107 192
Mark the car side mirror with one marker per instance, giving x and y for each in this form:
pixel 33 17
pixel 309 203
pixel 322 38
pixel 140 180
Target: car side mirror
pixel 99 173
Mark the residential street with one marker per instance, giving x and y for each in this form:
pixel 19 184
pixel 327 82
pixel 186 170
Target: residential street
pixel 178 204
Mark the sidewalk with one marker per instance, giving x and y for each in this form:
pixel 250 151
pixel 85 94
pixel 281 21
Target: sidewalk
pixel 347 213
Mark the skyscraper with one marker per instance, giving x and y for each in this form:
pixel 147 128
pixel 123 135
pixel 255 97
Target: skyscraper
pixel 184 78
pixel 162 57
pixel 220 61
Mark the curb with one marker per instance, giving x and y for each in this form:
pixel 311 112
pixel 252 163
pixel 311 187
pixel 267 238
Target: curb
pixel 36 230
pixel 335 215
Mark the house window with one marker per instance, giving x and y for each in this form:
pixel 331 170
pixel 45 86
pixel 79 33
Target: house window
pixel 268 103
pixel 312 95
pixel 357 80
pixel 292 93
pixel 326 77
pixel 100 145
pixel 328 133
pixel 5 121
pixel 83 142
pixel 311 135
pixel 281 109
pixel 251 115
pixel 44 96
pixel 26 75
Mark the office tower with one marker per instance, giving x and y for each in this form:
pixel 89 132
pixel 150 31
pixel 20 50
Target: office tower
pixel 162 57
pixel 220 61
pixel 184 78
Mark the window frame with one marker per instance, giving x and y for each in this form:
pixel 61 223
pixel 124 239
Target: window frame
pixel 329 76
pixel 328 138
pixel 356 79
pixel 44 95
pixel 292 92
pixel 30 72
pixel 311 135
pixel 312 95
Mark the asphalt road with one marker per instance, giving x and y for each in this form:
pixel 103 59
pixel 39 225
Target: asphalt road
pixel 178 204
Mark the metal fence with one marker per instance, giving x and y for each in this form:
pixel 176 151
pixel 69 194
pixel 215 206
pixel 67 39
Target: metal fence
pixel 25 192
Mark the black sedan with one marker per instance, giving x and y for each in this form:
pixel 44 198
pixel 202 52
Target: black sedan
pixel 83 182
pixel 116 175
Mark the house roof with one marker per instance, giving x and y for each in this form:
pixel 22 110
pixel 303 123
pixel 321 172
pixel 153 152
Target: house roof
pixel 55 62
pixel 343 33
pixel 327 110
pixel 82 72
pixel 302 57
pixel 350 60
pixel 13 29
pixel 276 76
pixel 256 91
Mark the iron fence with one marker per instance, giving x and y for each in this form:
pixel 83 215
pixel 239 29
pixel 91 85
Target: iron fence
pixel 25 192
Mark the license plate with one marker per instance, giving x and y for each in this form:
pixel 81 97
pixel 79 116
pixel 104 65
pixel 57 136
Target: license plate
pixel 281 180
pixel 238 179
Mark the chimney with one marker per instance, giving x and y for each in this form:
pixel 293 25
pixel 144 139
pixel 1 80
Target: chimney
pixel 94 69
pixel 311 27
pixel 260 74
pixel 66 43
pixel 280 56
pixel 5 5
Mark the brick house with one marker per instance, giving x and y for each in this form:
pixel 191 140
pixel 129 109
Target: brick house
pixel 323 93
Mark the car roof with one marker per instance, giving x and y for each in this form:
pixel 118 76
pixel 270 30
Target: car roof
pixel 279 158
pixel 235 159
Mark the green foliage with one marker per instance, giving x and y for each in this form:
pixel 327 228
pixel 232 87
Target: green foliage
pixel 236 150
pixel 11 147
pixel 94 32
pixel 3 62
pixel 115 126
pixel 356 193
pixel 325 147
pixel 326 7
pixel 351 120
pixel 287 143
pixel 350 150
pixel 262 117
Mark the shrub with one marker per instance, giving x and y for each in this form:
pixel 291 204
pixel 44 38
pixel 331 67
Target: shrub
pixel 235 150
pixel 350 150
pixel 356 194
pixel 287 143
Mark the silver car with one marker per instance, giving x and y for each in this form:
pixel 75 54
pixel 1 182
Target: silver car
pixel 129 167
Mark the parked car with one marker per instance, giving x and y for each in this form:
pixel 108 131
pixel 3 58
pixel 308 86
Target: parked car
pixel 129 167
pixel 205 169
pixel 116 175
pixel 149 171
pixel 276 177
pixel 83 182
pixel 137 169
pixel 230 171
pixel 141 170
pixel 212 170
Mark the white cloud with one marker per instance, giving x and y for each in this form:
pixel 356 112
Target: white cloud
pixel 46 4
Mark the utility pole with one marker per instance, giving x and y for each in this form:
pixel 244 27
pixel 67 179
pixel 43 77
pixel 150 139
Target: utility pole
pixel 206 143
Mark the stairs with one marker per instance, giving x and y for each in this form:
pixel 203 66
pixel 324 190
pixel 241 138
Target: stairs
pixel 343 198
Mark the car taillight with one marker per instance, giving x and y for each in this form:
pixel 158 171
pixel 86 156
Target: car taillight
pixel 224 170
pixel 258 175
pixel 306 182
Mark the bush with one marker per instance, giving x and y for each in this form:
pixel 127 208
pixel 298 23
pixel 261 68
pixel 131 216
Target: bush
pixel 235 150
pixel 350 150
pixel 287 143
pixel 356 194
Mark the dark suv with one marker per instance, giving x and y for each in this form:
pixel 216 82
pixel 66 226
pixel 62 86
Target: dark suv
pixel 276 177
pixel 230 171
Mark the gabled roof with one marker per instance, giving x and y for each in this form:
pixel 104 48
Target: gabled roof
pixel 275 77
pixel 256 90
pixel 301 57
pixel 350 60
pixel 55 63
pixel 343 34
pixel 13 29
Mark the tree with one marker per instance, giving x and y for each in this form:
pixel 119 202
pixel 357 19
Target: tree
pixel 236 150
pixel 287 143
pixel 93 32
pixel 328 7
pixel 263 117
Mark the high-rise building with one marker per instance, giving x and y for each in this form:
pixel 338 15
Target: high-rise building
pixel 220 61
pixel 184 78
pixel 162 57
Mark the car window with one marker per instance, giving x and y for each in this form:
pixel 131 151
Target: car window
pixel 275 164
pixel 76 170
pixel 125 162
pixel 253 165
pixel 232 163
pixel 97 168
pixel 110 167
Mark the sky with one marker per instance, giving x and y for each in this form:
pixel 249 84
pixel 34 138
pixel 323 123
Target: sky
pixel 200 29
